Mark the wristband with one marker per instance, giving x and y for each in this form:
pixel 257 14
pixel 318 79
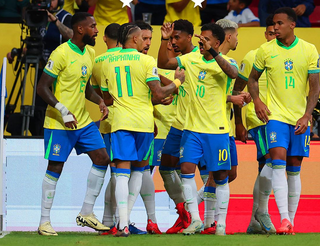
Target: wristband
pixel 177 82
pixel 164 38
pixel 55 21
pixel 64 112
pixel 213 52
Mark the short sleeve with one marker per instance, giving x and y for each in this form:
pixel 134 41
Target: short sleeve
pixel 259 63
pixel 245 68
pixel 152 70
pixel 104 77
pixel 229 16
pixel 182 60
pixel 56 63
pixel 250 17
pixel 314 66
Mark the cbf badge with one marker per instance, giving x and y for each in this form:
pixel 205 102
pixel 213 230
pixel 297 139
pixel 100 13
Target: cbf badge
pixel 56 149
pixel 84 70
pixel 181 152
pixel 288 64
pixel 273 137
pixel 202 75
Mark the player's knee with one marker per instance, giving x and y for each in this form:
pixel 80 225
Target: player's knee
pixel 232 176
pixel 101 158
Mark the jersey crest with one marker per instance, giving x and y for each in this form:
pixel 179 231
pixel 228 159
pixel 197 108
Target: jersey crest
pixel 202 75
pixel 288 64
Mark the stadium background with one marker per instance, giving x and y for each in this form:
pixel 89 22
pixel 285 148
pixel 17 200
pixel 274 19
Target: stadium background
pixel 31 165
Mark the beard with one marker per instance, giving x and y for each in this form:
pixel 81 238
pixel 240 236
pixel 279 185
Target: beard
pixel 88 40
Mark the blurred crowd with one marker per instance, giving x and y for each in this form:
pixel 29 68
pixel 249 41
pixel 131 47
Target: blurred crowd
pixel 243 12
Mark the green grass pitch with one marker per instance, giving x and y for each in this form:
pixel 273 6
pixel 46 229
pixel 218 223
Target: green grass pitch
pixel 79 239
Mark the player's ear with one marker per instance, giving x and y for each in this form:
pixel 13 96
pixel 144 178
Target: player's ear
pixel 105 39
pixel 292 24
pixel 80 29
pixel 189 37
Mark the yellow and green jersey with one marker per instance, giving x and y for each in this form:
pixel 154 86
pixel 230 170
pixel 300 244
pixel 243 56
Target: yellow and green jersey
pixel 287 70
pixel 110 11
pixel 229 93
pixel 69 6
pixel 164 115
pixel 189 13
pixel 252 121
pixel 71 69
pixel 126 74
pixel 105 125
pixel 183 99
pixel 208 85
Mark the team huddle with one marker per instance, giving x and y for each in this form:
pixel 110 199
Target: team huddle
pixel 175 112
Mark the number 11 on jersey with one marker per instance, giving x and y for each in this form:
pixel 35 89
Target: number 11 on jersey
pixel 128 80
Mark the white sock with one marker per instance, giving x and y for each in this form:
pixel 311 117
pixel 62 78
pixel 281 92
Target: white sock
pixel 49 184
pixel 294 190
pixel 135 183
pixel 122 193
pixel 200 194
pixel 113 195
pixel 210 200
pixel 265 187
pixel 255 199
pixel 94 185
pixel 147 193
pixel 172 183
pixel 108 206
pixel 189 188
pixel 223 196
pixel 280 187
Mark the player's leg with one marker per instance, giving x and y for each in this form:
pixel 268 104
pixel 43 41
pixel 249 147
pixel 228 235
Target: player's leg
pixel 234 159
pixel 263 185
pixel 190 154
pixel 204 174
pixel 299 148
pixel 278 139
pixel 58 146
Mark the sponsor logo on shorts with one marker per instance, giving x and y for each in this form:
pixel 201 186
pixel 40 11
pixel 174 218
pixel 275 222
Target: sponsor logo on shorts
pixel 273 137
pixel 159 154
pixel 181 152
pixel 56 149
pixel 222 163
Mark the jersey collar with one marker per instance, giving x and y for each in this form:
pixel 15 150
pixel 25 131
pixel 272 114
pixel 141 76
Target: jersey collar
pixel 196 48
pixel 236 14
pixel 127 50
pixel 75 48
pixel 291 46
pixel 114 49
pixel 210 61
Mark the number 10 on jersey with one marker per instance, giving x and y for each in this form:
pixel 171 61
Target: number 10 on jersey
pixel 128 80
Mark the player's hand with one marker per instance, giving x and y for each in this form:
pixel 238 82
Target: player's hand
pixel 238 100
pixel 302 125
pixel 51 17
pixel 179 74
pixel 10 58
pixel 167 30
pixel 262 110
pixel 203 42
pixel 167 101
pixel 72 124
pixel 300 9
pixel 104 110
pixel 246 96
pixel 241 133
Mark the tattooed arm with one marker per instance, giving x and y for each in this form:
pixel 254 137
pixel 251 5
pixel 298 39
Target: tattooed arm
pixel 227 68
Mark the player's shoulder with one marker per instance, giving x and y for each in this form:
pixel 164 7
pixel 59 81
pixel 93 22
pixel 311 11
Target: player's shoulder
pixel 250 55
pixel 91 50
pixel 308 46
pixel 229 59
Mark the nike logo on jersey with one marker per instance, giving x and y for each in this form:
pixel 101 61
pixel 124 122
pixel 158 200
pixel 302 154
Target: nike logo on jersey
pixel 73 61
pixel 167 73
pixel 274 56
pixel 222 163
pixel 194 63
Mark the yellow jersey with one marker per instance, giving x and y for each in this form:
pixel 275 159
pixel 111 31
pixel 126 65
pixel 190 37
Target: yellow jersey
pixel 126 74
pixel 208 85
pixel 164 115
pixel 252 121
pixel 105 125
pixel 189 13
pixel 287 70
pixel 110 11
pixel 69 6
pixel 72 69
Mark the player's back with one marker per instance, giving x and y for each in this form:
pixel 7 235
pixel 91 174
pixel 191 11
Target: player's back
pixel 127 74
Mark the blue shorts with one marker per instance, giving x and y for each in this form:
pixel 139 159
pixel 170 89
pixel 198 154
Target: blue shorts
pixel 59 143
pixel 155 158
pixel 213 148
pixel 259 137
pixel 233 152
pixel 107 141
pixel 172 143
pixel 131 146
pixel 281 134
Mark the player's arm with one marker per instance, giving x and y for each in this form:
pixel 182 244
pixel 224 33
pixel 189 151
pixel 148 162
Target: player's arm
pixel 65 30
pixel 302 123
pixel 92 96
pixel 165 81
pixel 163 58
pixel 43 89
pixel 108 100
pixel 230 70
pixel 159 93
